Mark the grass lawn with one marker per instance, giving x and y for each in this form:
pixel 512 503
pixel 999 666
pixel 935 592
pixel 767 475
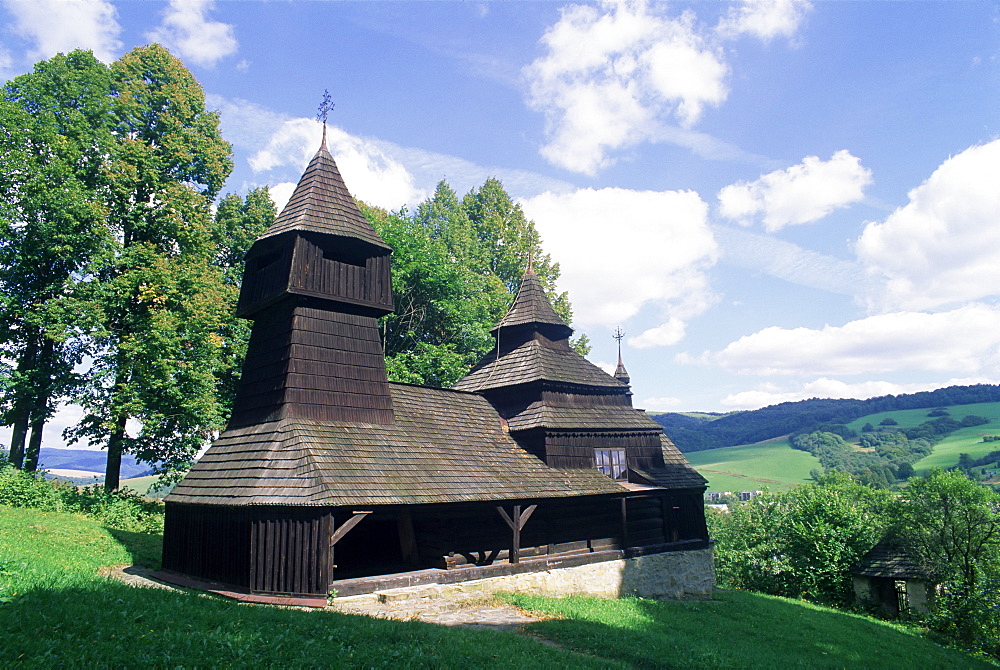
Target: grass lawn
pixel 57 612
pixel 773 465
pixel 736 630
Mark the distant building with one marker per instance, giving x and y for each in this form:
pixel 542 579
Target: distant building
pixel 891 576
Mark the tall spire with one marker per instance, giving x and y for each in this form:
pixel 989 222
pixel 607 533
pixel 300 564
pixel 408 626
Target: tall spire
pixel 621 374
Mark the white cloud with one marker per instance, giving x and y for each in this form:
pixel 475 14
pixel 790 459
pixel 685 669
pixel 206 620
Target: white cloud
pixel 660 404
pixel 790 262
pixel 63 25
pixel 944 245
pixel 191 35
pixel 770 394
pixel 800 194
pixel 370 174
pixel 614 74
pixel 623 251
pixel 962 341
pixel 764 19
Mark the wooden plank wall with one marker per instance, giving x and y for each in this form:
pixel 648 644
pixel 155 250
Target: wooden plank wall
pixel 576 449
pixel 314 364
pixel 291 552
pixel 208 542
pixel 334 275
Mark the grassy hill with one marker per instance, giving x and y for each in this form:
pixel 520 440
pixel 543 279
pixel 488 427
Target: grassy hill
pixel 771 464
pixel 775 465
pixel 58 612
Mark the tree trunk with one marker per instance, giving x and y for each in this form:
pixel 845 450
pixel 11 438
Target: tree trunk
pixel 22 404
pixel 116 445
pixel 40 406
pixel 35 443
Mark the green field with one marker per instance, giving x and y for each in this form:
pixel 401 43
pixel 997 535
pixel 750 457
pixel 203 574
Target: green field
pixel 772 464
pixel 775 465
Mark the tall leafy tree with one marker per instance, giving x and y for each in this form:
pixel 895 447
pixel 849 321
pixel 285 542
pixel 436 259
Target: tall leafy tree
pixel 456 266
pixel 238 222
pixel 55 138
pixel 161 294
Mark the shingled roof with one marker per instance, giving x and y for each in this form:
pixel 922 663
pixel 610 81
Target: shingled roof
pixel 532 306
pixel 892 559
pixel 533 361
pixel 445 446
pixel 321 203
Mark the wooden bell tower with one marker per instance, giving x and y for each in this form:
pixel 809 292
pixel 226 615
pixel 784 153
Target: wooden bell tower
pixel 315 284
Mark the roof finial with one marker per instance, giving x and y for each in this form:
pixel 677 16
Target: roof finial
pixel 531 265
pixel 325 108
pixel 619 335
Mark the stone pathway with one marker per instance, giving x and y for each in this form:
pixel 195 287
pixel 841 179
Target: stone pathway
pixel 452 605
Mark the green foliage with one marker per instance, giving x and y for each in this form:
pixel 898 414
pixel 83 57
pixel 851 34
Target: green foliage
pixel 801 543
pixel 122 510
pixel 456 267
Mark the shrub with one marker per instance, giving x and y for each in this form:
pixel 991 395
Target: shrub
pixel 122 510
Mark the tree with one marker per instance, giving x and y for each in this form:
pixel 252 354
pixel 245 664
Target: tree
pixel 953 523
pixel 801 543
pixel 456 265
pixel 55 137
pixel 159 289
pixel 238 223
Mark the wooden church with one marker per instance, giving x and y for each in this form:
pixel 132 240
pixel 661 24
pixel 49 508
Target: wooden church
pixel 328 471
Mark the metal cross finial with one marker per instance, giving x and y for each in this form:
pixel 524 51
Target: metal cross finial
pixel 324 110
pixel 619 335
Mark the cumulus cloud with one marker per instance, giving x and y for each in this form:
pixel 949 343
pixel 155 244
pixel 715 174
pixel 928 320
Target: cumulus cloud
pixel 370 174
pixel 613 74
pixel 800 194
pixel 63 25
pixel 188 32
pixel 943 246
pixel 621 251
pixel 962 341
pixel 771 394
pixel 621 73
pixel 764 19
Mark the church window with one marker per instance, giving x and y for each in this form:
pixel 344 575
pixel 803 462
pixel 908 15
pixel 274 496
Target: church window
pixel 611 462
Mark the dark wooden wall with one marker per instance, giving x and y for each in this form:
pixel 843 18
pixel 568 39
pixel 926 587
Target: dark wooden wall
pixel 345 277
pixel 313 364
pixel 576 449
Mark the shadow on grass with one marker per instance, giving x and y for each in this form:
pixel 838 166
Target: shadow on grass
pixel 146 549
pixel 104 623
pixel 737 630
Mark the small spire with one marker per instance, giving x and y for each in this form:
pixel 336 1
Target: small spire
pixel 621 374
pixel 324 110
pixel 531 266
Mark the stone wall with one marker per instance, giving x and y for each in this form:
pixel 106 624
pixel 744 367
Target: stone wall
pixel 674 575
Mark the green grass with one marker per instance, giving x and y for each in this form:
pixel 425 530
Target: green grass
pixel 58 612
pixel 773 465
pixel 736 630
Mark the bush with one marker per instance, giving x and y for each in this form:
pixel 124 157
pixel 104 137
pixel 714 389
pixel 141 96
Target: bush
pixel 122 510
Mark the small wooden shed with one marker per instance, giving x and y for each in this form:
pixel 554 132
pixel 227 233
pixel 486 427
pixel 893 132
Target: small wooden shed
pixel 328 471
pixel 892 576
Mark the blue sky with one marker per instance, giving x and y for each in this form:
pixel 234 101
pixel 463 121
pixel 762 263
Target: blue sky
pixel 775 200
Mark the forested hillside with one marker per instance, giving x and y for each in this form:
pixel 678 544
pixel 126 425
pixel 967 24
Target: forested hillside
pixel 695 433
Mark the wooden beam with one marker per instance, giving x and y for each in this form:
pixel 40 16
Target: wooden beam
pixel 516 523
pixel 344 529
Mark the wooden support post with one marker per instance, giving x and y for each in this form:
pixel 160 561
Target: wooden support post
pixel 407 537
pixel 339 533
pixel 624 524
pixel 516 523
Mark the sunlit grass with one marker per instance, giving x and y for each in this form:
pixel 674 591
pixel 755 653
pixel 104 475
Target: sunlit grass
pixel 773 465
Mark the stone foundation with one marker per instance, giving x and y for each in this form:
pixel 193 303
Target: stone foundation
pixel 672 575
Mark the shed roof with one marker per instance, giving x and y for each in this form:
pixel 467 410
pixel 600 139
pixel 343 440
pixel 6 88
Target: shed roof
pixel 892 559
pixel 445 446
pixel 321 203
